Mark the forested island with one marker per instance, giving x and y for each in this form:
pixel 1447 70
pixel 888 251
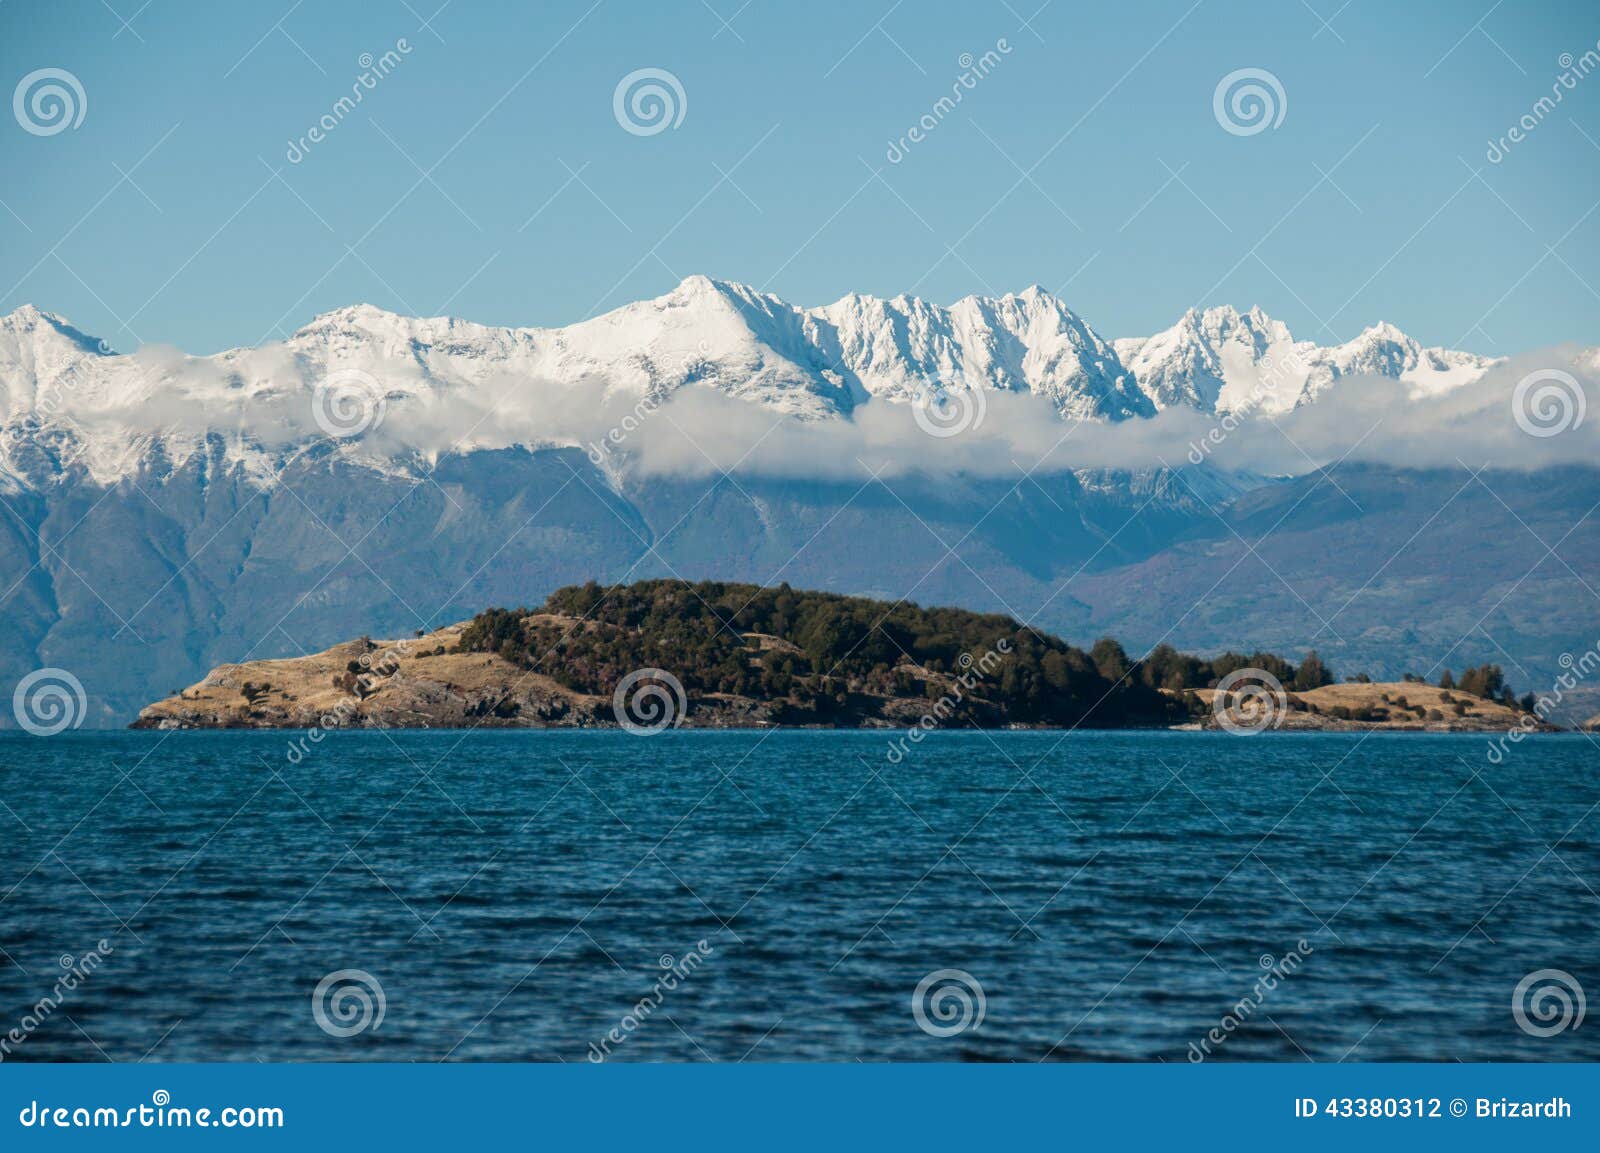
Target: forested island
pixel 726 655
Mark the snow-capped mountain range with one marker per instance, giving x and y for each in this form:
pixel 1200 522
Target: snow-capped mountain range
pixel 162 513
pixel 59 385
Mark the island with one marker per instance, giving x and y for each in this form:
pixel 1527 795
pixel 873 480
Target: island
pixel 669 653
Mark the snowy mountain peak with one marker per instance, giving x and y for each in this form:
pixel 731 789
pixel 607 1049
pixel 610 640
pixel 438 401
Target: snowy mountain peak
pixel 39 357
pixel 355 315
pixel 1020 342
pixel 1032 293
pixel 25 315
pixel 27 324
pixel 363 322
pixel 1221 360
pixel 699 286
pixel 1383 330
pixel 1224 322
pixel 1209 360
pixel 1381 349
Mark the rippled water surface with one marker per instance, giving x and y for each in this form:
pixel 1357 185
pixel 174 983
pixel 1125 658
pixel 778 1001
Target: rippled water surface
pixel 516 894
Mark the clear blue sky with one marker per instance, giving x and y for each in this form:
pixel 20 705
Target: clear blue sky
pixel 539 209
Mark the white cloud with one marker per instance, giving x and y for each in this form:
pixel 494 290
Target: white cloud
pixel 261 402
pixel 1361 418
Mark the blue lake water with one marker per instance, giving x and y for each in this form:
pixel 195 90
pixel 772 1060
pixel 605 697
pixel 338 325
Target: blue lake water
pixel 516 894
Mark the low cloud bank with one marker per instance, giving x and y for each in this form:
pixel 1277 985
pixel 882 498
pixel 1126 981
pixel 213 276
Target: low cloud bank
pixel 1498 420
pixel 1535 411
